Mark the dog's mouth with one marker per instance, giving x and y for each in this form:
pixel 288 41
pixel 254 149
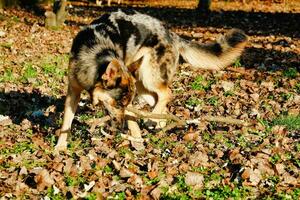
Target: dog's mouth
pixel 124 92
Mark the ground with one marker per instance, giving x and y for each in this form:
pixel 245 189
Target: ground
pixel 210 160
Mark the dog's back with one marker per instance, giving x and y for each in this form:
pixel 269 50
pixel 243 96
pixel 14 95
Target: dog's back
pixel 121 36
pixel 130 37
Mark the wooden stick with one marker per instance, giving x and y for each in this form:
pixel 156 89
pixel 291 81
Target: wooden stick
pixel 228 120
pixel 131 138
pixel 177 121
pixel 143 114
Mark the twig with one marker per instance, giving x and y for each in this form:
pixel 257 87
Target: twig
pixel 132 139
pixel 171 126
pixel 227 120
pixel 105 134
pixel 180 122
pixel 177 121
pixel 143 114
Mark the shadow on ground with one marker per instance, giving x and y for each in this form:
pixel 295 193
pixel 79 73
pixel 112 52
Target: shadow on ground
pixel 31 106
pixel 253 23
pixel 273 60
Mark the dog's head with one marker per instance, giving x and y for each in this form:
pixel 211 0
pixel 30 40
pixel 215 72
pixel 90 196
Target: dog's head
pixel 119 84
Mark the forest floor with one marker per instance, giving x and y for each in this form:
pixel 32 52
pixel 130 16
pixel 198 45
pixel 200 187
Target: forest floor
pixel 210 160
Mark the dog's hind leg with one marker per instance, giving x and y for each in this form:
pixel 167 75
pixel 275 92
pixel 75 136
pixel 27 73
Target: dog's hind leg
pixel 71 103
pixel 164 96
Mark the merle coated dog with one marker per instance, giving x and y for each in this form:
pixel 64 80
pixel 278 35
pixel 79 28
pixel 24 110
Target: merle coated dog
pixel 120 56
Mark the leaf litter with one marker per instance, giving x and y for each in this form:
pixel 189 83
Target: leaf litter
pixel 206 160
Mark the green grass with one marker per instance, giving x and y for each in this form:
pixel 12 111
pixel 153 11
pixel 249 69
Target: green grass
pixel 213 101
pixel 275 158
pixel 7 45
pixel 229 93
pixel 108 170
pixel 8 76
pixel 118 196
pixel 85 117
pixel 30 72
pixel 225 192
pixel 237 63
pixel 290 73
pixel 55 66
pixel 91 196
pixel 201 84
pixel 152 181
pixel 124 150
pixel 290 122
pixel 297 88
pixel 52 196
pixel 285 96
pixel 74 181
pixel 18 148
pixel 194 101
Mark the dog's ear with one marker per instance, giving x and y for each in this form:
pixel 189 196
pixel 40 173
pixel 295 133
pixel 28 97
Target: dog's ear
pixel 133 67
pixel 112 73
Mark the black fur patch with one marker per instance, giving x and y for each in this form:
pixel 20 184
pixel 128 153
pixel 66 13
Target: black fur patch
pixel 164 72
pixel 151 40
pixel 215 49
pixel 236 37
pixel 103 58
pixel 103 19
pixel 107 53
pixel 86 38
pixel 107 28
pixel 160 51
pixel 127 28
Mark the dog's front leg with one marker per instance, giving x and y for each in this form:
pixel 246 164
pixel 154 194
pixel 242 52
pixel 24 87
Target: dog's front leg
pixel 134 129
pixel 72 99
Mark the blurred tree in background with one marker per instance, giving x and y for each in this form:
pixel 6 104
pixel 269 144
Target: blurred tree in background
pixel 12 3
pixel 204 5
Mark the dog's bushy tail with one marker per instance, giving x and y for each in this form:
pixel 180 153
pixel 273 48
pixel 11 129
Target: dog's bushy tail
pixel 215 55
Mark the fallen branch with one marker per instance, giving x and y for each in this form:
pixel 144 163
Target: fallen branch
pixel 132 139
pixel 180 122
pixel 227 120
pixel 177 122
pixel 143 114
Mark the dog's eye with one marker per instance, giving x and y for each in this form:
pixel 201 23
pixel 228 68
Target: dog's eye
pixel 118 81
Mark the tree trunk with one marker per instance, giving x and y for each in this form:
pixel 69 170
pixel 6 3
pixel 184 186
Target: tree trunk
pixel 204 5
pixel 56 18
pixel 61 13
pixel 2 4
pixel 8 3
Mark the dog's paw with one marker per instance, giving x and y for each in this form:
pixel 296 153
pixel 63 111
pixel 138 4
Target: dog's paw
pixel 137 145
pixel 61 143
pixel 160 123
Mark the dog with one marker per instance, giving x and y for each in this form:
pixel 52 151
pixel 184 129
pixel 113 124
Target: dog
pixel 123 55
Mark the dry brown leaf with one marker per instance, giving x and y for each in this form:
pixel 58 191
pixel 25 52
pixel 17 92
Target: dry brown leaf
pixel 199 159
pixel 255 177
pixel 227 86
pixel 191 136
pixel 194 179
pixel 125 173
pixel 43 179
pixel 68 165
